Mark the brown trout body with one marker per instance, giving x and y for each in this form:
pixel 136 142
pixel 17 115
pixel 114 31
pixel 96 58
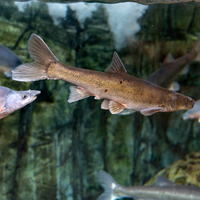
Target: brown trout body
pixel 171 68
pixel 11 100
pixel 119 90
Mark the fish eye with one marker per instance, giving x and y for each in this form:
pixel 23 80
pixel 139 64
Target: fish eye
pixel 24 96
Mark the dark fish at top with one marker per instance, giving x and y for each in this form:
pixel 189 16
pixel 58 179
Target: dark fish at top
pixel 11 100
pixel 119 90
pixel 172 68
pixel 8 60
pixel 146 2
pixel 163 190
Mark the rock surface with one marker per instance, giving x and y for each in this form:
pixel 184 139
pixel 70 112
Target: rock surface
pixel 182 172
pixel 146 2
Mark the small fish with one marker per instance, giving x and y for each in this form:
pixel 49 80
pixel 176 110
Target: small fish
pixel 8 60
pixel 193 113
pixel 11 100
pixel 164 189
pixel 171 68
pixel 120 91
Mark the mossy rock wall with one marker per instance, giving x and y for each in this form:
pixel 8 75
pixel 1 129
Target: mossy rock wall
pixel 51 149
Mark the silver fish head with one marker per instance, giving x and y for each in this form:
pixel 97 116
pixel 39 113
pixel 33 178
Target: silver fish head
pixel 18 99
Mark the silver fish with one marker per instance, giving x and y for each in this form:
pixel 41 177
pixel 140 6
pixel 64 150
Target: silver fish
pixel 193 113
pixel 163 190
pixel 119 90
pixel 8 60
pixel 171 68
pixel 11 100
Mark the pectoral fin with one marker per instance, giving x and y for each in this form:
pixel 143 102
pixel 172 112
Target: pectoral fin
pixel 76 94
pixel 151 111
pixel 115 107
pixel 105 104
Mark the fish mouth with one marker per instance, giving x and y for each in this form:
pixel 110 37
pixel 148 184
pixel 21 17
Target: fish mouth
pixel 190 103
pixel 34 93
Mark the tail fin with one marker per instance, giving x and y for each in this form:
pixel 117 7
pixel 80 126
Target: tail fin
pixel 109 184
pixel 197 48
pixel 42 55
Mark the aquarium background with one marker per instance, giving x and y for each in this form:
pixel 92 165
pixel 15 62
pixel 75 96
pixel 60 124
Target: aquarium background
pixel 53 150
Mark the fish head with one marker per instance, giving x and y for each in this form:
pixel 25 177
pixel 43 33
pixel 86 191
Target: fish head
pixel 184 103
pixel 176 101
pixel 188 102
pixel 19 99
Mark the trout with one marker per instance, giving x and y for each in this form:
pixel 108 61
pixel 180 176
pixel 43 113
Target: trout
pixel 11 100
pixel 163 190
pixel 119 90
pixel 171 68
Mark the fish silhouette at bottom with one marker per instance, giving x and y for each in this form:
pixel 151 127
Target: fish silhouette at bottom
pixel 164 189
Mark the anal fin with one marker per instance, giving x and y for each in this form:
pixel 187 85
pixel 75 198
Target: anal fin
pixel 151 111
pixel 76 93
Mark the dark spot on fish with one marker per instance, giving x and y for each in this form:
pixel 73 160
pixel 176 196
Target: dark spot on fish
pixel 105 90
pixel 120 82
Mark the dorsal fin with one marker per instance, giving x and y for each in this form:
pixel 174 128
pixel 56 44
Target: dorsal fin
pixel 162 181
pixel 174 87
pixel 116 65
pixel 168 59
